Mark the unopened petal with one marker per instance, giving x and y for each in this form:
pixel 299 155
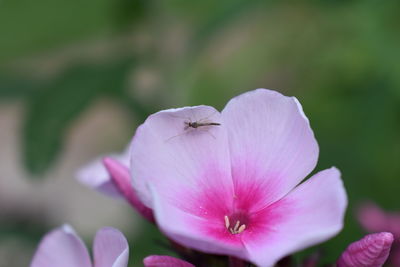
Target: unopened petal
pixel 110 248
pixel 271 143
pixel 96 176
pixel 371 251
pixel 312 213
pixel 62 248
pixel 121 177
pixel 165 261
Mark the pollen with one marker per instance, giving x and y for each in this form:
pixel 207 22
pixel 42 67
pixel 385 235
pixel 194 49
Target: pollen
pixel 236 229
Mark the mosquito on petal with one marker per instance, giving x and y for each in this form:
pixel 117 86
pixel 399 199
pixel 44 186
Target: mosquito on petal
pixel 195 125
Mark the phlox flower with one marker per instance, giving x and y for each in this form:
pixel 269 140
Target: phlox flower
pixel 62 247
pixel 234 187
pixel 374 219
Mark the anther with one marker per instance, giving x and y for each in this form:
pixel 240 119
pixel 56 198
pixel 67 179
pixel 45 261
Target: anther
pixel 241 228
pixel 237 229
pixel 227 224
pixel 236 226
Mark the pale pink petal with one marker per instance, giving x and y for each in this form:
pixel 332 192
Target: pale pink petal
pixel 271 143
pixel 121 177
pixel 110 248
pixel 61 248
pixel 313 212
pixel 371 251
pixel 374 219
pixel 165 261
pixel 95 175
pixel 175 159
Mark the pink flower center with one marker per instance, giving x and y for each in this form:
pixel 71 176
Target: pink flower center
pixel 236 222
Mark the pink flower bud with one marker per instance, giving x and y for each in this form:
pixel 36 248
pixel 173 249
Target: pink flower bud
pixel 164 261
pixel 371 251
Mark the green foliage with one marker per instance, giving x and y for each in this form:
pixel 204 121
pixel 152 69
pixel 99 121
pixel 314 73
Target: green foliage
pixel 128 12
pixel 53 108
pixel 14 87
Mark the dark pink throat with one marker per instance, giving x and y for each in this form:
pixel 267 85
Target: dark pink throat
pixel 237 222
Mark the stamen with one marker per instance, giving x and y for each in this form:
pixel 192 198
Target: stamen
pixel 241 228
pixel 236 229
pixel 227 224
pixel 236 226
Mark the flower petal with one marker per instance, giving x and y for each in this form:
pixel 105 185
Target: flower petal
pixel 165 261
pixel 110 248
pixel 203 234
pixel 171 157
pixel 95 175
pixel 271 143
pixel 62 248
pixel 121 177
pixel 313 212
pixel 374 219
pixel 371 251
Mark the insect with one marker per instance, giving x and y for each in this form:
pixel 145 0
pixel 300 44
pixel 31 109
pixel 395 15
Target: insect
pixel 195 125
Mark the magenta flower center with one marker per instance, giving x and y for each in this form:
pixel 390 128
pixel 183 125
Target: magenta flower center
pixel 227 213
pixel 236 223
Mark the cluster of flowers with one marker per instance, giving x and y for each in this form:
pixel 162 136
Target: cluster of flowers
pixel 222 183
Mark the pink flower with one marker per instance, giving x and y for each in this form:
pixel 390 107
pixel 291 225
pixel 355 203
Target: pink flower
pixel 371 251
pixel 230 188
pixel 63 248
pixel 111 176
pixel 373 219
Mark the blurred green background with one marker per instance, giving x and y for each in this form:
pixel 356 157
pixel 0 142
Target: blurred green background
pixel 65 63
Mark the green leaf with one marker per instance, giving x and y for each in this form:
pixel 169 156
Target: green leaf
pixel 12 86
pixel 52 110
pixel 28 27
pixel 129 12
